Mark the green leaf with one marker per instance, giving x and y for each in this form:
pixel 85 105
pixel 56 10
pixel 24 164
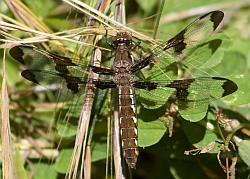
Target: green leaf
pixel 99 151
pixel 150 128
pixel 208 54
pixel 228 67
pixel 197 133
pixel 19 171
pixel 66 129
pixel 244 151
pixel 150 133
pixel 195 117
pixel 146 5
pixel 44 170
pixel 62 161
pixel 201 92
pixel 241 95
pixel 38 7
pixel 155 98
pixel 162 70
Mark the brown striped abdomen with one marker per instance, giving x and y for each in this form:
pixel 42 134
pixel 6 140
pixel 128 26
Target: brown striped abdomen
pixel 128 125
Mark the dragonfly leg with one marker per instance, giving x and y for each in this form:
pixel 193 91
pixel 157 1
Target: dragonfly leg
pixel 137 44
pixel 107 41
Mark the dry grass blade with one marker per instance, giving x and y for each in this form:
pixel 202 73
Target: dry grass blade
pixel 80 143
pixel 99 16
pixel 42 36
pixel 7 147
pixel 12 164
pixel 23 14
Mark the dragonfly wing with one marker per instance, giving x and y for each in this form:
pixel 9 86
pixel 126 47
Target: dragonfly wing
pixel 193 95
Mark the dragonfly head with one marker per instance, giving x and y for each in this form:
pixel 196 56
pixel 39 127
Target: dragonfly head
pixel 122 38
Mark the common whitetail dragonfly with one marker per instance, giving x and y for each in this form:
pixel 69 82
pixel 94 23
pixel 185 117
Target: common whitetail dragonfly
pixel 44 67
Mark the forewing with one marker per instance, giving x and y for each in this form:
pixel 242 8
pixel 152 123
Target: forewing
pixel 195 33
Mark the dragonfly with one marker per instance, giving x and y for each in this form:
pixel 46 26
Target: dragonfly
pixel 125 74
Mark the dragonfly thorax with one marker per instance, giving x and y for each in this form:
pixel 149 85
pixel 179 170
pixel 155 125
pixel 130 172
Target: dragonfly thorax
pixel 123 78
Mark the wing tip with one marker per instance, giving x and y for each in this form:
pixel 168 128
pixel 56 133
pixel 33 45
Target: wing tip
pixel 216 18
pixel 27 74
pixel 17 54
pixel 229 86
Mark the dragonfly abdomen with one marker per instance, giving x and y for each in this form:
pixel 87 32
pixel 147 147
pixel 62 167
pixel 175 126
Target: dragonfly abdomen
pixel 128 125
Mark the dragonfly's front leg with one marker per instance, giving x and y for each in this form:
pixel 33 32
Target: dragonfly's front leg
pixel 137 44
pixel 107 41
